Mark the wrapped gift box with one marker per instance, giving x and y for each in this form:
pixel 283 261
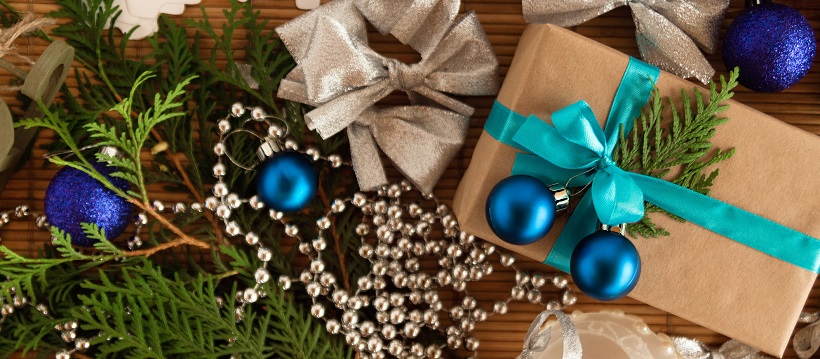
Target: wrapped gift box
pixel 694 273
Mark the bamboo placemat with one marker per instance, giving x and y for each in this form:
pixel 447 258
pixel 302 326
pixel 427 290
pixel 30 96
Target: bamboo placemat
pixel 501 337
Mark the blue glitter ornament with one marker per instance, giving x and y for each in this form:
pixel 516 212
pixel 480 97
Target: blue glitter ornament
pixel 74 197
pixel 521 209
pixel 605 265
pixel 772 44
pixel 287 181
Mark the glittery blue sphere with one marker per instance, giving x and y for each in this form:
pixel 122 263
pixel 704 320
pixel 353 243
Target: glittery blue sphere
pixel 521 210
pixel 287 181
pixel 73 197
pixel 772 44
pixel 605 265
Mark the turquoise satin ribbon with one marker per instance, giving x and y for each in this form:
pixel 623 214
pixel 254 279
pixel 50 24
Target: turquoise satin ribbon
pixel 575 149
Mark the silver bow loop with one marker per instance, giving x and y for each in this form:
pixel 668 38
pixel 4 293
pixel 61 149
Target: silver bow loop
pixel 669 32
pixel 807 340
pixel 417 23
pixel 695 349
pixel 536 341
pixel 437 133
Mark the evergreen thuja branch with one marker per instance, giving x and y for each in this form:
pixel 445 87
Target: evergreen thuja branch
pixel 659 147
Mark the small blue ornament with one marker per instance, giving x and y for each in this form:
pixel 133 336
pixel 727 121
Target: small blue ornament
pixel 287 181
pixel 521 209
pixel 73 197
pixel 605 265
pixel 772 44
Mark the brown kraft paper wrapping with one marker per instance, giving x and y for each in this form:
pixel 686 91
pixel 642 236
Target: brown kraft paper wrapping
pixel 694 273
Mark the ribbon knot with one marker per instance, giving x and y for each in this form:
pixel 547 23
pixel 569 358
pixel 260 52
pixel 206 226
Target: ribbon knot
pixel 606 163
pixel 402 76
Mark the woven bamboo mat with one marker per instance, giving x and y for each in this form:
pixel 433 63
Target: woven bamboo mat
pixel 501 337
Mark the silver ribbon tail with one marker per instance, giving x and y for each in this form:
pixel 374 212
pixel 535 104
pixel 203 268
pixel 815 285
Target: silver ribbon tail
pixel 695 349
pixel 535 341
pixel 668 32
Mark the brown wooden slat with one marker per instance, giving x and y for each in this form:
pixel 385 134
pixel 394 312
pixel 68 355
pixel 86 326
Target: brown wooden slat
pixel 501 336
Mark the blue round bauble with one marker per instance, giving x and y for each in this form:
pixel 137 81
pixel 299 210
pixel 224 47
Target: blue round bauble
pixel 520 209
pixel 74 197
pixel 605 265
pixel 287 181
pixel 772 44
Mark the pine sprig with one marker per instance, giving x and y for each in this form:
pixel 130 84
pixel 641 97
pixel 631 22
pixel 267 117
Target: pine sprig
pixel 657 147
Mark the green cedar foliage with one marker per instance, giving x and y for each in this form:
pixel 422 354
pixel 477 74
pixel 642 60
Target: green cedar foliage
pixel 657 147
pixel 165 305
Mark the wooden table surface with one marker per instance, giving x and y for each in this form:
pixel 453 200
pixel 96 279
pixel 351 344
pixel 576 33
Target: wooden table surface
pixel 501 337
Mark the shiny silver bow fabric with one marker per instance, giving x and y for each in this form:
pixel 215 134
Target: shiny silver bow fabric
pixel 807 340
pixel 669 32
pixel 733 349
pixel 536 341
pixel 344 78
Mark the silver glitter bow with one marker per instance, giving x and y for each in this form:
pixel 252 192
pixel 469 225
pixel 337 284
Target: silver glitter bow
pixel 695 349
pixel 536 341
pixel 807 340
pixel 343 77
pixel 669 32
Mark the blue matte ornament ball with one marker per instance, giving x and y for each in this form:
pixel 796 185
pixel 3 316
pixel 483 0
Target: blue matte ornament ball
pixel 287 181
pixel 520 209
pixel 73 197
pixel 605 265
pixel 772 44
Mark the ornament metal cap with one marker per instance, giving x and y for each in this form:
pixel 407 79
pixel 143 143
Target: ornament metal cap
pixel 621 228
pixel 267 149
pixel 750 3
pixel 561 196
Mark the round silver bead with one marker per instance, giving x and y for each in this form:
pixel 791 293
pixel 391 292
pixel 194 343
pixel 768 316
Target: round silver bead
pixel 500 307
pixel 374 345
pixel 396 316
pixel 232 229
pixel 223 211
pixel 290 144
pixel 538 280
pixel 333 326
pixel 568 298
pixel 335 161
pixel 219 149
pixel 63 354
pixel 42 309
pixel 560 281
pixel 158 206
pixel 396 299
pixel 459 286
pixel 211 203
pixel 81 344
pixel 507 260
pixel 518 293
pixel 284 282
pixel 291 230
pixel 367 328
pixel 411 330
pixel 264 254
pixel 350 317
pixel 381 303
pixel 362 229
pixel 180 207
pixel 453 342
pixel 261 275
pixel 250 295
pixel 534 296
pixel 134 242
pixel 317 265
pixel 469 302
pixel 379 283
pixel 317 310
pixel 323 223
pixel 365 283
pixel 41 222
pixel 339 297
pixel 366 251
pixel 237 110
pixel 255 203
pixel 219 170
pixel 395 348
pixel 276 131
pixel 275 215
pixel 352 338
pixel 257 113
pixel 471 344
pixel 233 200
pixel 338 206
pixel 554 305
pixel 522 278
pixel 319 244
pixel 314 289
pixel 220 189
pixel 223 126
pixel 313 153
pixel 388 331
pixel 251 238
pixel 359 199
pixel 305 276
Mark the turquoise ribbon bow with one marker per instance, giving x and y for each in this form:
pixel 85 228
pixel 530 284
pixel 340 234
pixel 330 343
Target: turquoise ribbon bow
pixel 575 150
